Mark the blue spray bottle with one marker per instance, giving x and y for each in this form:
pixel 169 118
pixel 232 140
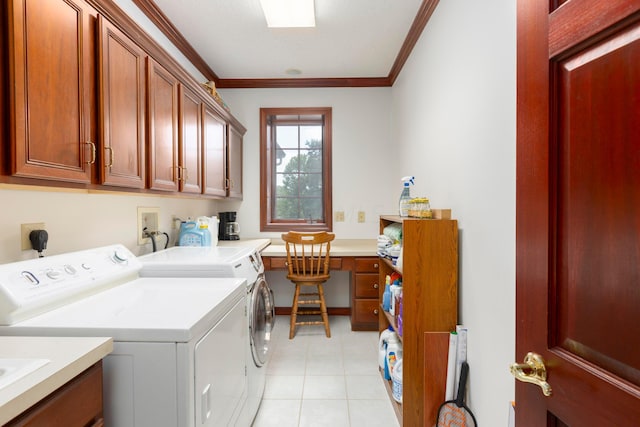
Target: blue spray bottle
pixel 405 196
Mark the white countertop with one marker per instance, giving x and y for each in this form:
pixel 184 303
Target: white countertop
pixel 339 247
pixel 69 356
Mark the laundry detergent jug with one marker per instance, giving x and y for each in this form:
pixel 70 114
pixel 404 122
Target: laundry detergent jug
pixel 194 233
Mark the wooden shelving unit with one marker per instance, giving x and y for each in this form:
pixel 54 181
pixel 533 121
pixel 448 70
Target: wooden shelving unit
pixel 430 304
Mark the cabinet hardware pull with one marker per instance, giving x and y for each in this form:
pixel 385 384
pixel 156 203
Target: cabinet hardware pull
pixel 111 155
pixel 375 265
pixel 375 311
pixel 93 153
pixel 375 286
pixel 537 372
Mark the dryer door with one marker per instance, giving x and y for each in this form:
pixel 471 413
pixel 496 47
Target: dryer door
pixel 261 320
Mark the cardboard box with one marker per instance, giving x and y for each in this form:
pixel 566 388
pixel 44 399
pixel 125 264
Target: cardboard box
pixel 441 213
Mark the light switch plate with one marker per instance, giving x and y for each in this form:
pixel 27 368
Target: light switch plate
pixel 339 216
pixel 361 217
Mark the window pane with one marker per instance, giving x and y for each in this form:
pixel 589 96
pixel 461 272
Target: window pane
pixel 287 136
pixel 289 162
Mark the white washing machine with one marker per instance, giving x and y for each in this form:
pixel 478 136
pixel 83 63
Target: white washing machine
pixel 179 344
pixel 216 262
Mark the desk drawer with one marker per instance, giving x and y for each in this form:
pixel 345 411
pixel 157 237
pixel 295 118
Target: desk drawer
pixel 365 312
pixel 367 285
pixel 367 265
pixel 280 263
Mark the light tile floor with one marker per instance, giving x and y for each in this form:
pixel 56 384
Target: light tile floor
pixel 313 380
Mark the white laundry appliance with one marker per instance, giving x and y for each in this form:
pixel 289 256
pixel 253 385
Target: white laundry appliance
pixel 179 344
pixel 220 261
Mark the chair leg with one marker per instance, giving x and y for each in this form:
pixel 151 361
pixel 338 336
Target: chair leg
pixel 294 312
pixel 323 309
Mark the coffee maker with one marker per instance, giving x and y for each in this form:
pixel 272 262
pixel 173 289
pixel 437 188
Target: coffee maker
pixel 228 228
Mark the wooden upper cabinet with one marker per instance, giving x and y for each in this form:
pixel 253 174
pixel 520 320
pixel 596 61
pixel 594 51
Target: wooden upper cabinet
pixel 122 108
pixel 234 163
pixel 190 157
pixel 214 141
pixel 52 97
pixel 162 121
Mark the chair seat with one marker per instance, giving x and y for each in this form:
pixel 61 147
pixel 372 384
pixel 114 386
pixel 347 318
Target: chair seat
pixel 308 265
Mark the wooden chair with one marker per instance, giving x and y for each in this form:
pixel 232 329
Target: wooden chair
pixel 308 264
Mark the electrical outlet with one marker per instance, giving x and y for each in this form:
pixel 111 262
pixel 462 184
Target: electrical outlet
pixel 25 230
pixel 339 216
pixel 147 218
pixel 361 216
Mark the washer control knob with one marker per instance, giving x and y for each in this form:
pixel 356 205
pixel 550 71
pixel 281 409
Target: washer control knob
pixel 69 269
pixel 120 256
pixel 53 274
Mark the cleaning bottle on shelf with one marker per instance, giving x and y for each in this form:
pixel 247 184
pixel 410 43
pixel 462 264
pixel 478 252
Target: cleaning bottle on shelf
pixel 386 296
pixel 405 196
pixel 394 354
pixel 382 346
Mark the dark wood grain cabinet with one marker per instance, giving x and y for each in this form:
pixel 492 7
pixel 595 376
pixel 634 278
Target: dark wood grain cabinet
pixel 122 80
pixel 364 294
pixel 234 162
pixel 77 403
pixel 214 151
pixel 162 122
pixel 51 57
pixel 88 98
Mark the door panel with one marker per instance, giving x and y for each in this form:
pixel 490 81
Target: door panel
pixel 122 102
pixel 214 151
pixel 190 141
pixel 163 127
pixel 578 211
pixel 53 125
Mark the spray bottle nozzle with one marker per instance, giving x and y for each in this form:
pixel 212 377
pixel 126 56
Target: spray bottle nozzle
pixel 408 180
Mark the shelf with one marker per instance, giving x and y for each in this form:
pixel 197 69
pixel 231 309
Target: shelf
pixel 392 322
pixel 397 407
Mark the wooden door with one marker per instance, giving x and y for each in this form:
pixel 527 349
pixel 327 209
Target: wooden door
pixel 51 57
pixel 234 163
pixel 578 211
pixel 190 141
pixel 214 170
pixel 162 107
pixel 122 108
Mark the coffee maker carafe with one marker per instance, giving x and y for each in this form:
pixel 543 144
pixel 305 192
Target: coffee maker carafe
pixel 228 228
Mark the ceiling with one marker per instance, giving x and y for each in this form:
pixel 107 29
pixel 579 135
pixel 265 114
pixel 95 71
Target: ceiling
pixel 354 43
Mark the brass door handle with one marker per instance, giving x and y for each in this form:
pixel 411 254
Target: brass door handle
pixel 110 149
pixel 532 371
pixel 93 153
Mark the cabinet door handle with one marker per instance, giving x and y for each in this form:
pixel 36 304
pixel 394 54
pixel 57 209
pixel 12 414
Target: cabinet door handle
pixel 375 311
pixel 375 286
pixel 111 155
pixel 375 265
pixel 93 153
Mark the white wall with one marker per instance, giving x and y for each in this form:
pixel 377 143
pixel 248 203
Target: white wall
pixel 77 220
pixel 363 149
pixel 454 116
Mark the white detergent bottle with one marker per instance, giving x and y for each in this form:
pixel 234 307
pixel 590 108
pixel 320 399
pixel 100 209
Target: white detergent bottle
pixel 405 196
pixel 396 382
pixel 394 352
pixel 382 346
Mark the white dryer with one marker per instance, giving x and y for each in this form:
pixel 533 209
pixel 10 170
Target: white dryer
pixel 179 344
pixel 238 262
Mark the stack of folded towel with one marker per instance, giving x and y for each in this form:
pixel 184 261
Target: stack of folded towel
pixel 384 242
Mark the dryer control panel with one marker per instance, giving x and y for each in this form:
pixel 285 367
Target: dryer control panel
pixel 31 287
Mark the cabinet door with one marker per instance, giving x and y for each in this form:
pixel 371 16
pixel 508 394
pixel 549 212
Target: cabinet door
pixel 162 104
pixel 234 173
pixel 122 96
pixel 190 141
pixel 214 172
pixel 51 58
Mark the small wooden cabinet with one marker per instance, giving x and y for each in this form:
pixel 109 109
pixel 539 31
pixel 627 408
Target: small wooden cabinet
pixel 51 55
pixel 365 285
pixel 190 152
pixel 162 120
pixel 234 162
pixel 430 304
pixel 122 107
pixel 214 150
pixel 77 403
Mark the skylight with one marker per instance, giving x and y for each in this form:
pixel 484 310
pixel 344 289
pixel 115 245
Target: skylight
pixel 289 13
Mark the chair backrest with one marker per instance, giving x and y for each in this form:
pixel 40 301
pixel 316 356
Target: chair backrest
pixel 308 254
